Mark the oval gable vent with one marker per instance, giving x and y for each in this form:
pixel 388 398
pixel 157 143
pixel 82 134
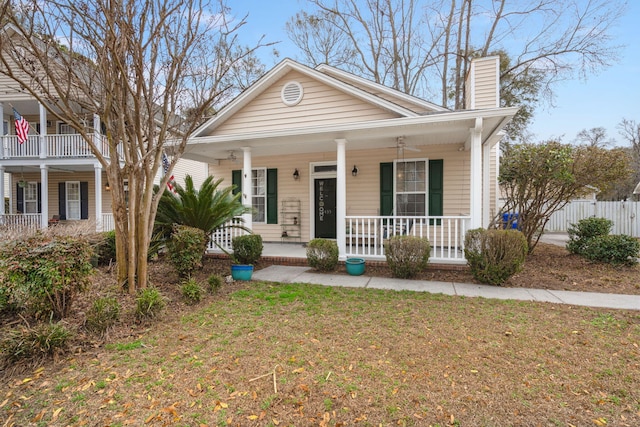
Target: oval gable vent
pixel 291 93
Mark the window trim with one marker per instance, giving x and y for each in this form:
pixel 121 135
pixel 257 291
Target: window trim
pixel 25 200
pixel 397 193
pixel 254 195
pixel 67 200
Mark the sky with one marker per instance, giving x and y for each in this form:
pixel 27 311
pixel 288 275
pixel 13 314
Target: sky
pixel 602 100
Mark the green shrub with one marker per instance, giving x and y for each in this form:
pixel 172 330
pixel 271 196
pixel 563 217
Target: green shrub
pixel 191 291
pixel 495 255
pixel 580 234
pixel 44 273
pixel 322 254
pixel 103 314
pixel 407 255
pixel 32 343
pixel 186 248
pixel 149 303
pixel 106 248
pixel 215 282
pixel 247 249
pixel 613 249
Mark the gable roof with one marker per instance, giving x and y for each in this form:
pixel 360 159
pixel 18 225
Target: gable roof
pixel 343 84
pixel 377 88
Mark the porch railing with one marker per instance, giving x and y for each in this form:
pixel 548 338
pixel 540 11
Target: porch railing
pixel 365 235
pixel 59 146
pixel 17 222
pixel 108 223
pixel 224 236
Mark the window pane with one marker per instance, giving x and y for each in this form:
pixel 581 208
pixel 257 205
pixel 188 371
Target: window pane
pixel 259 209
pixel 31 198
pixel 410 204
pixel 73 200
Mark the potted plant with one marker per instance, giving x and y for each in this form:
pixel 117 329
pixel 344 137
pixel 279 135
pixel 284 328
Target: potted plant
pixel 247 250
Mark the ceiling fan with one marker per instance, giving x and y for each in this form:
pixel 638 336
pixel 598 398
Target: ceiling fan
pixel 401 145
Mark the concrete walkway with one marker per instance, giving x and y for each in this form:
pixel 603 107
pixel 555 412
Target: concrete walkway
pixel 285 274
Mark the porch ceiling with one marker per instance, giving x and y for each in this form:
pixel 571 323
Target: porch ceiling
pixel 439 128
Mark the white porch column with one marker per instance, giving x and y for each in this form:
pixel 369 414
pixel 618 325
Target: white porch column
pixel 2 141
pixel 486 185
pixel 97 137
pixel 476 175
pixel 2 195
pixel 44 197
pixel 247 188
pixel 43 132
pixel 98 195
pixel 341 199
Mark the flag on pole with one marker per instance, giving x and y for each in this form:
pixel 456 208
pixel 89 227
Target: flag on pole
pixel 165 168
pixel 22 127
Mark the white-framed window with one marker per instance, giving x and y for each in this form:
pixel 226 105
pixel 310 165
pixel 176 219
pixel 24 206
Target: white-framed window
pixel 259 194
pixel 65 129
pixel 73 200
pixel 411 187
pixel 31 197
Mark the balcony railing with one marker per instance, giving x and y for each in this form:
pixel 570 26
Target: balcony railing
pixel 58 146
pixel 366 234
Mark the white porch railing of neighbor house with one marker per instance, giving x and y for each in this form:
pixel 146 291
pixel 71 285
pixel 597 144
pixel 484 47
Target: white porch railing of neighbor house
pixel 365 235
pixel 59 146
pixel 108 223
pixel 224 235
pixel 20 221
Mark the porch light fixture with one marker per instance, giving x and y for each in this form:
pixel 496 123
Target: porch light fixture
pixel 107 187
pixel 354 171
pixel 296 174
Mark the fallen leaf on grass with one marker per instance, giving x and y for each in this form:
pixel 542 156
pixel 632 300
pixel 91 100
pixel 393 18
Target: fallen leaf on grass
pixel 56 413
pixel 38 417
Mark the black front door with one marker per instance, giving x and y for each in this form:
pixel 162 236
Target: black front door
pixel 325 203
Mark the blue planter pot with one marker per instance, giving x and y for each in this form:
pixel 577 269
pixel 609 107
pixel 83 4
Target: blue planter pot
pixel 241 272
pixel 355 266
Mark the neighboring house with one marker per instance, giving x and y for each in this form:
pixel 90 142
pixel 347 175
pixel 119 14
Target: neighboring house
pixel 322 153
pixel 53 175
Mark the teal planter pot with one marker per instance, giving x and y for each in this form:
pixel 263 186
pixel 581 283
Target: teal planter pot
pixel 355 266
pixel 241 272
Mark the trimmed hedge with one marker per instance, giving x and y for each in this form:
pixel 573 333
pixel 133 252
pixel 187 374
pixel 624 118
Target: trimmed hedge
pixel 322 254
pixel 495 255
pixel 407 255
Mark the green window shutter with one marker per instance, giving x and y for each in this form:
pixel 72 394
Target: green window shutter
pixel 236 180
pixel 386 189
pixel 272 196
pixel 436 188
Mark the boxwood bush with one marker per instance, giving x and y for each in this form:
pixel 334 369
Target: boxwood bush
pixel 584 231
pixel 247 249
pixel 186 248
pixel 495 255
pixel 322 254
pixel 44 273
pixel 616 249
pixel 407 255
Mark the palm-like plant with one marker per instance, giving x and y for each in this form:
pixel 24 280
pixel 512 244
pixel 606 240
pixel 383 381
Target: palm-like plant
pixel 208 209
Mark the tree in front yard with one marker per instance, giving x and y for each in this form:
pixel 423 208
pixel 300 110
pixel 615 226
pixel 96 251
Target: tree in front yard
pixel 138 65
pixel 539 179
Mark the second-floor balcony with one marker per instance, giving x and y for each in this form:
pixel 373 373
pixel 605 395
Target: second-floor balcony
pixel 46 146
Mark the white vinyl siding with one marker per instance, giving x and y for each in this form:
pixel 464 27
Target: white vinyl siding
pixel 320 105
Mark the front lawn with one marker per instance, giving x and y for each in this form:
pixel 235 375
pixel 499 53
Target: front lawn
pixel 261 354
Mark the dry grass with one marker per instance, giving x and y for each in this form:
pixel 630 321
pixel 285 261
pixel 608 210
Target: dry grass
pixel 260 354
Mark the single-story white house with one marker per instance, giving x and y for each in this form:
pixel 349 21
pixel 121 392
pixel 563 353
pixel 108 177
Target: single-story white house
pixel 322 153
